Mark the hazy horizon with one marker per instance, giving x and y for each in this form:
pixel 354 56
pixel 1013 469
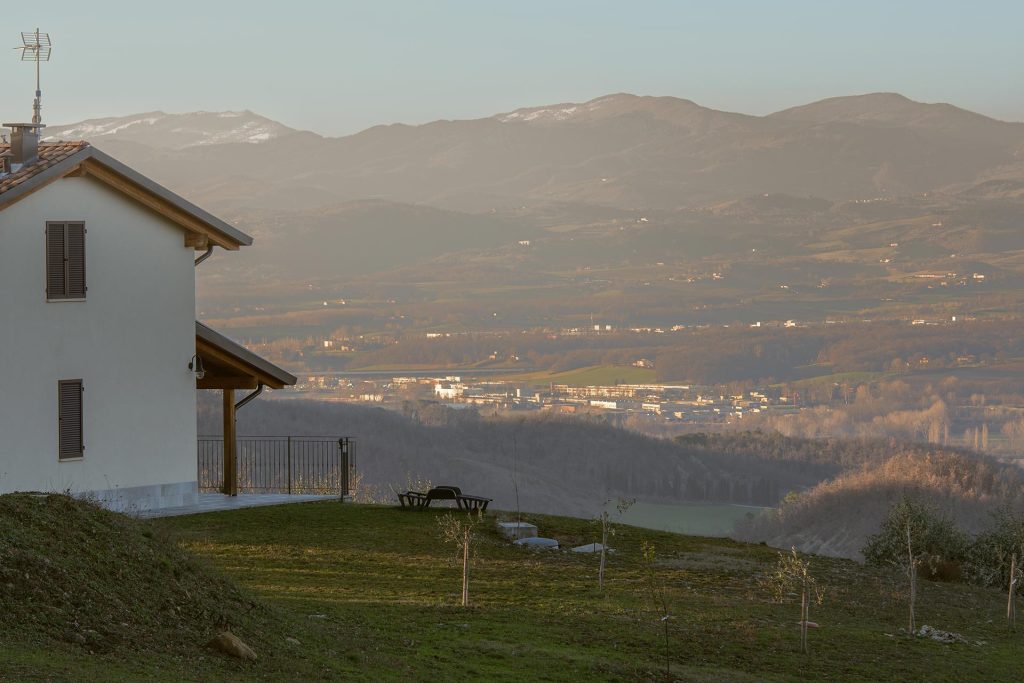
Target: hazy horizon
pixel 530 105
pixel 341 68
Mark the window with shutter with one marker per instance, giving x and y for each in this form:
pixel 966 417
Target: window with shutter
pixel 55 281
pixel 65 261
pixel 71 443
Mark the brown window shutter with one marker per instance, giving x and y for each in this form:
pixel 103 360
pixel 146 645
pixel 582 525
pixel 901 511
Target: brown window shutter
pixel 65 261
pixel 56 282
pixel 71 443
pixel 75 260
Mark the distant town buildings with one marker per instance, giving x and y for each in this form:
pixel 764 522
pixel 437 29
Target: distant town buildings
pixel 666 402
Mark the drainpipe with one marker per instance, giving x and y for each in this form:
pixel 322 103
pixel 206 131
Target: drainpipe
pixel 245 401
pixel 205 255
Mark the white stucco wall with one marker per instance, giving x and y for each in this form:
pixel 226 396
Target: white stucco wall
pixel 130 342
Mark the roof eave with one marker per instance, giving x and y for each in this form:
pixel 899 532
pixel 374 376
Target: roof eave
pixel 226 230
pixel 263 370
pixel 108 169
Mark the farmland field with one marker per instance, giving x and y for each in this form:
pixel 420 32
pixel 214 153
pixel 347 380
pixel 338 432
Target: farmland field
pixel 691 519
pixel 597 375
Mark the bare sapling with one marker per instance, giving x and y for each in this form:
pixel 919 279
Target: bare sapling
pixel 1011 594
pixel 657 596
pixel 459 531
pixel 608 530
pixel 791 574
pixel 912 576
pixel 413 482
pixel 515 471
pixel 365 493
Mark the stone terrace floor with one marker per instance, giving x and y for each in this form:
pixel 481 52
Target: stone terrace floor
pixel 215 502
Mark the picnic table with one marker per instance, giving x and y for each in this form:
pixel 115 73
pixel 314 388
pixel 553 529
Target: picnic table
pixel 420 500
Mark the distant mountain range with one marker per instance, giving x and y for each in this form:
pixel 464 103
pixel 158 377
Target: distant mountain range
pixel 174 131
pixel 621 151
pixel 643 210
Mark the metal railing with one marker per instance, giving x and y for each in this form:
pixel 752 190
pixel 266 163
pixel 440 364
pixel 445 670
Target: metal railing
pixel 281 464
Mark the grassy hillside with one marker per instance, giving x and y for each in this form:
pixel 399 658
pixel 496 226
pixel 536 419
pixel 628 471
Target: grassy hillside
pixel 371 594
pixel 88 594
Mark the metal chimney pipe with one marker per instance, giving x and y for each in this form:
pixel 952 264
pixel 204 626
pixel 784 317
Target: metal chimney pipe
pixel 24 142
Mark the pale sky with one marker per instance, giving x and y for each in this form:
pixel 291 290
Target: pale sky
pixel 337 67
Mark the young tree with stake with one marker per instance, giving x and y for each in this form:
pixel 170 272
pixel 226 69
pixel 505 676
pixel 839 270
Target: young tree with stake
pixel 607 530
pixel 791 574
pixel 996 556
pixel 657 595
pixel 460 531
pixel 914 535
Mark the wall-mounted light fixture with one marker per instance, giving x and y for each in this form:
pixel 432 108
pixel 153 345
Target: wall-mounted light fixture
pixel 196 367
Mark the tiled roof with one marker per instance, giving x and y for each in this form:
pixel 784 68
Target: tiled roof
pixel 50 154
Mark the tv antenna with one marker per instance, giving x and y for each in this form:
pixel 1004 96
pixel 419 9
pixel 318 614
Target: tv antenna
pixel 36 47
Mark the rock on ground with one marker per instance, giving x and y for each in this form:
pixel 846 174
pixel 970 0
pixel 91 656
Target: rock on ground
pixel 230 644
pixel 940 636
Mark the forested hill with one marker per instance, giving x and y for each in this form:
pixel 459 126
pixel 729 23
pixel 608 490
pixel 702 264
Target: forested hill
pixel 836 517
pixel 561 466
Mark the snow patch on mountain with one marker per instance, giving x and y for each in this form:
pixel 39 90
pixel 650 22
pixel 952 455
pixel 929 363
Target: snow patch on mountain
pixel 561 112
pixel 175 131
pixel 556 114
pixel 88 129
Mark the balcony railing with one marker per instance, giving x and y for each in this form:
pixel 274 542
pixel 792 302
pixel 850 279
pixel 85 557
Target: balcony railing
pixel 281 464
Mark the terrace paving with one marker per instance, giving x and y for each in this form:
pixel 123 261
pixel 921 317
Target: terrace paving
pixel 217 502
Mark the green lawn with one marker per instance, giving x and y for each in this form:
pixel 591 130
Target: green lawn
pixel 372 595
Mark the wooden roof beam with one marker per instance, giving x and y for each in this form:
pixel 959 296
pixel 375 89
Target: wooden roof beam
pixel 166 209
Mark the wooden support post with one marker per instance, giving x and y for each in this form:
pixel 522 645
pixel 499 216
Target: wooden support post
pixel 230 445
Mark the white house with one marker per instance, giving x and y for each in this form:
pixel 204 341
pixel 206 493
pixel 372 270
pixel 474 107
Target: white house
pixel 99 346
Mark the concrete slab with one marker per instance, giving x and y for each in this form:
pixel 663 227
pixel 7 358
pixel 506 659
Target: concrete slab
pixel 216 502
pixel 591 548
pixel 516 530
pixel 536 542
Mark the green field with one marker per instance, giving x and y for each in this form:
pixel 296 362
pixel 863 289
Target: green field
pixel 853 378
pixel 692 519
pixel 597 375
pixel 370 593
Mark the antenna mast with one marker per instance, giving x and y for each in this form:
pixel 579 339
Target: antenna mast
pixel 36 47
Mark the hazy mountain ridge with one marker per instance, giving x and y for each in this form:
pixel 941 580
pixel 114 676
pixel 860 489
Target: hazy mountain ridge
pixel 814 211
pixel 895 110
pixel 161 130
pixel 620 151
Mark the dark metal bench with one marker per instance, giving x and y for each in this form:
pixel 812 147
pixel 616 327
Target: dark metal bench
pixel 473 503
pixel 417 499
pixel 412 499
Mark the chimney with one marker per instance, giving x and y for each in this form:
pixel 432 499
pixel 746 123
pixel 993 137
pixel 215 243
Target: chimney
pixel 24 142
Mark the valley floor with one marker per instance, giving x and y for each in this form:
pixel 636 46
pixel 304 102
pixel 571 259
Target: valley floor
pixel 371 593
